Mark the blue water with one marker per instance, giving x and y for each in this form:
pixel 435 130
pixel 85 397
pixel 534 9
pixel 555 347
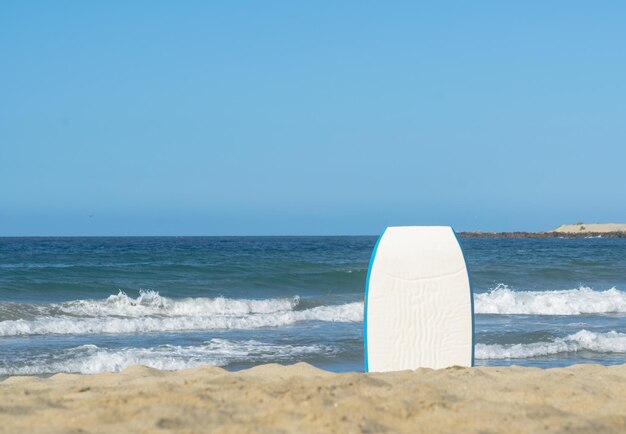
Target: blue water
pixel 102 304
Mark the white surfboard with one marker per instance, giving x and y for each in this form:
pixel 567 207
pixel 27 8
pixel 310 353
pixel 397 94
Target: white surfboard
pixel 418 301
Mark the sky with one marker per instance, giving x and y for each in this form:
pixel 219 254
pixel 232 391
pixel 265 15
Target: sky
pixel 309 118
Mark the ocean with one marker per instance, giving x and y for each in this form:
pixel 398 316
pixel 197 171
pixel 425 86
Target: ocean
pixel 90 305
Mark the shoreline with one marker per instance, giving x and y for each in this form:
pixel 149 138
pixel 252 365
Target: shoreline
pixel 301 398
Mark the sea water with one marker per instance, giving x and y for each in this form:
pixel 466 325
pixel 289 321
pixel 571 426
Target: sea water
pixel 92 305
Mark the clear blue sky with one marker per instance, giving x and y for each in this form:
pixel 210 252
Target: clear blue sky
pixel 220 117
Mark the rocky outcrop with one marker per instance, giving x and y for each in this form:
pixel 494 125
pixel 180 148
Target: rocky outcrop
pixel 599 228
pixel 551 234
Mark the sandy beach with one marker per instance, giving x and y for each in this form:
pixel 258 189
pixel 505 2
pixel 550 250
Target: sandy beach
pixel 597 228
pixel 301 398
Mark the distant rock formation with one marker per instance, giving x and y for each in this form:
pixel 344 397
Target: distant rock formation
pixel 552 234
pixel 598 228
pixel 579 230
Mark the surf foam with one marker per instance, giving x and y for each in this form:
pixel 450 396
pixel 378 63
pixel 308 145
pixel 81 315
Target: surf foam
pixel 90 359
pixel 610 342
pixel 151 312
pixel 584 300
pixel 150 303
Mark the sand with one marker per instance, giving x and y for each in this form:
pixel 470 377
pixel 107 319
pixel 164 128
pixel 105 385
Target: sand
pixel 300 398
pixel 591 227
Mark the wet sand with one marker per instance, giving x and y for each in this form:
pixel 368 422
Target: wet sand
pixel 301 398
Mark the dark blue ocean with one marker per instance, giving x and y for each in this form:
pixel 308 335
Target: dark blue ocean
pixel 90 305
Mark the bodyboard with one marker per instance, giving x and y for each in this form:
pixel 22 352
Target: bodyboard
pixel 418 301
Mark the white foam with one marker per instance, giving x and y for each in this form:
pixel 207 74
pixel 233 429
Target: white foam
pixel 89 359
pixel 199 314
pixel 150 303
pixel 611 342
pixel 502 300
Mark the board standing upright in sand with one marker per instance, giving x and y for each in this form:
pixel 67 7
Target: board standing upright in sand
pixel 418 301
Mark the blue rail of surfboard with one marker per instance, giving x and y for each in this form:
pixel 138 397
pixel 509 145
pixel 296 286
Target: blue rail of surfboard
pixel 367 287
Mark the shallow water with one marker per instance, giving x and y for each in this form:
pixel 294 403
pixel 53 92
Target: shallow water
pixel 101 304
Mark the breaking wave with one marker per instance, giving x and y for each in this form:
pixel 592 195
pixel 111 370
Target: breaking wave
pixel 503 300
pixel 90 359
pixel 151 312
pixel 584 340
pixel 150 303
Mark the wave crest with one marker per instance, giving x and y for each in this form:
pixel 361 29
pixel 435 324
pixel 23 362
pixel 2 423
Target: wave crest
pixel 584 300
pixel 90 359
pixel 584 340
pixel 150 303
pixel 151 312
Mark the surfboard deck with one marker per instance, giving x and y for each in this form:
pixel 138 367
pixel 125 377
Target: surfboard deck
pixel 418 301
